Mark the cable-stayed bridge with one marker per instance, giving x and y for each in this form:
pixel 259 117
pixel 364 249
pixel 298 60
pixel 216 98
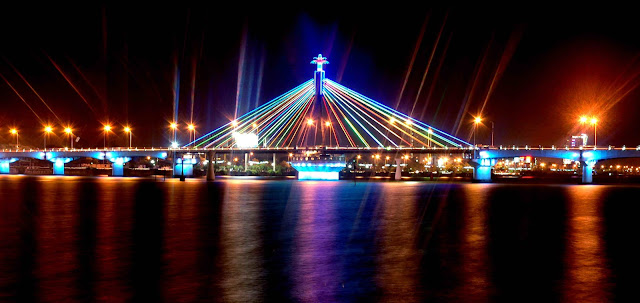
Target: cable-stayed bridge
pixel 314 125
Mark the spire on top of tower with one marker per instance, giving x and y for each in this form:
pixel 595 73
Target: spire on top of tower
pixel 319 60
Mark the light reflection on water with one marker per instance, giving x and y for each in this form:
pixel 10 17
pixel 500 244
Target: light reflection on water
pixel 118 239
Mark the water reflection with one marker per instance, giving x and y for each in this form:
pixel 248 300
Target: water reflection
pixel 242 277
pixel 398 260
pixel 587 271
pixel 116 239
pixel 316 263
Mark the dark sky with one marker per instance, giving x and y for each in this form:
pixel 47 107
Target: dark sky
pixel 532 71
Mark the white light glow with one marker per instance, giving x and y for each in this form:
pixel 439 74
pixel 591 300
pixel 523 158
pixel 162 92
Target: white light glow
pixel 247 140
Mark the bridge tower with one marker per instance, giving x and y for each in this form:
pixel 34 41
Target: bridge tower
pixel 318 111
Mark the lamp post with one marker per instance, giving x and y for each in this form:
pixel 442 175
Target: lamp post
pixel 328 125
pixel 127 129
pixel 594 121
pixel 476 121
pixel 14 131
pixel 47 130
pixel 69 133
pixel 192 129
pixel 106 129
pixel 174 126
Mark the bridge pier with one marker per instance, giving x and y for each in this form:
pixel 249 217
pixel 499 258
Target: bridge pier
pixel 482 170
pixel 211 168
pixel 58 166
pixel 587 172
pixel 4 165
pixel 398 169
pixel 117 165
pixel 246 161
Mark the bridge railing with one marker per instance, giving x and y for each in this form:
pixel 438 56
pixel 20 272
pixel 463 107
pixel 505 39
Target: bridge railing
pixel 340 148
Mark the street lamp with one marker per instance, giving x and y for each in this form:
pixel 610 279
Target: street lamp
pixel 127 129
pixel 106 129
pixel 69 133
pixel 47 130
pixel 14 131
pixel 192 129
pixel 328 125
pixel 476 121
pixel 174 126
pixel 594 121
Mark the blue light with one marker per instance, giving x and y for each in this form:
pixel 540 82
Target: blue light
pixel 319 175
pixel 484 154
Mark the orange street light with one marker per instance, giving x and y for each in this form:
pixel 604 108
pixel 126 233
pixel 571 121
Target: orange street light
pixel 127 129
pixel 14 131
pixel 107 129
pixel 47 130
pixel 69 132
pixel 594 121
pixel 476 121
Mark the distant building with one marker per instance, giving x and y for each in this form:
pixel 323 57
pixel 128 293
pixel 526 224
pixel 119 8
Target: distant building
pixel 577 141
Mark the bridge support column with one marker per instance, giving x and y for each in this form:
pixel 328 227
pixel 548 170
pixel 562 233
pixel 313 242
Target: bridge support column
pixel 481 170
pixel 117 166
pixel 398 169
pixel 4 165
pixel 274 162
pixel 211 168
pixel 587 172
pixel 58 165
pixel 246 161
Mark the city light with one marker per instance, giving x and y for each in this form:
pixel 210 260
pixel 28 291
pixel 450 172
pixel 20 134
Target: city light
pixel 477 120
pixel 583 119
pixel 327 124
pixel 107 128
pixel 173 125
pixel 48 129
pixel 13 131
pixel 310 121
pixel 392 120
pixel 191 127
pixel 234 123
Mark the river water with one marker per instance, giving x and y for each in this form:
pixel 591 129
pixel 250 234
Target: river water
pixel 248 240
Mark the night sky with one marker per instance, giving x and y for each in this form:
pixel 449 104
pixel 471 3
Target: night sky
pixel 531 71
